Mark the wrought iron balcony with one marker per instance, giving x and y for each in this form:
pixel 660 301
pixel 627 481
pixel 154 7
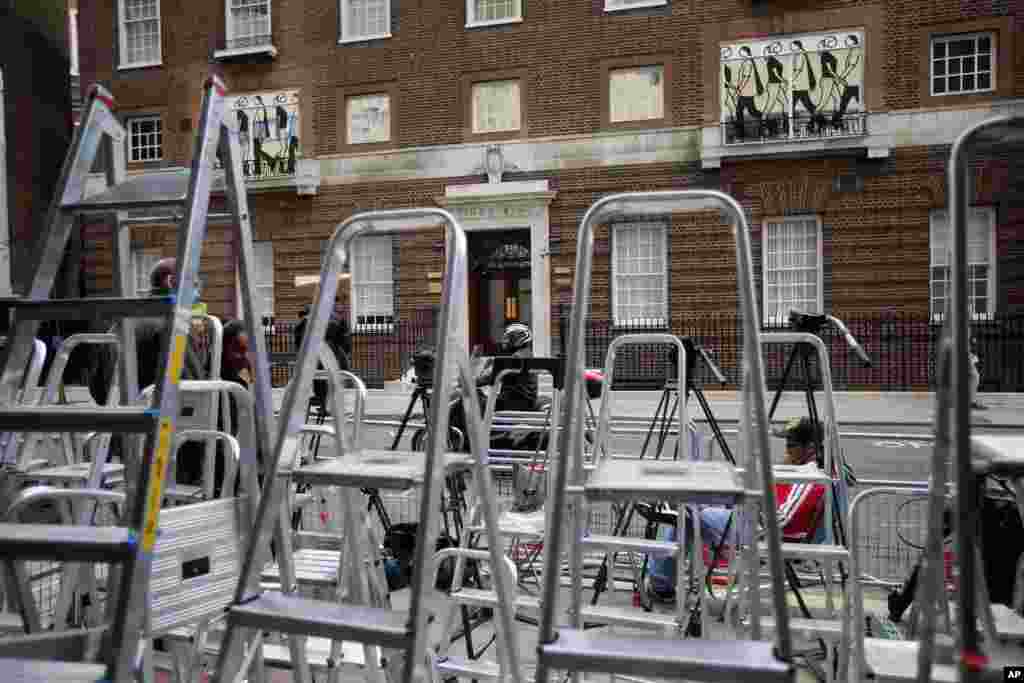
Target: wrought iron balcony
pixel 787 128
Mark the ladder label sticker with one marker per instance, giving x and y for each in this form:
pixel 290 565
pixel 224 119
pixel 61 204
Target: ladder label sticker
pixel 156 484
pixel 177 359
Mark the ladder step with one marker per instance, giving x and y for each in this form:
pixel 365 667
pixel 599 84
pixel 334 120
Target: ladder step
pixel 318 652
pixel 90 309
pixel 312 568
pixel 65 542
pixel 998 454
pixel 696 660
pixel 631 545
pixel 823 628
pixel 140 192
pixel 621 616
pixel 711 483
pixel 896 660
pixel 71 419
pixel 810 551
pixel 478 669
pixel 74 474
pixel 392 470
pixel 44 671
pixel 486 598
pixel 304 616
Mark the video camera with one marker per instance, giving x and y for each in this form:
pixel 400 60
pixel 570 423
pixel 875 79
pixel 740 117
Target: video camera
pixel 693 352
pixel 813 323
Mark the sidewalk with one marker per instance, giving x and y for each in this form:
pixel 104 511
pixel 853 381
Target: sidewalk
pixel 903 408
pixel 912 409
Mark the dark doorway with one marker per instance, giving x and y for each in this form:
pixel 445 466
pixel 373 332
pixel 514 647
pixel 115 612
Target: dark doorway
pixel 499 285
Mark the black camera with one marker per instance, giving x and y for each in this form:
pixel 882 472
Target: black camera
pixel 423 366
pixel 806 322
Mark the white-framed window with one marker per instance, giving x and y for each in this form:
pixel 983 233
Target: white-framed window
pixel 264 257
pixel 145 138
pixel 616 5
pixel 373 300
pixel 369 118
pixel 248 23
pixel 488 12
pixel 365 20
pixel 139 32
pixel 639 273
pixel 143 262
pixel 636 93
pixel 496 106
pixel 981 258
pixel 791 267
pixel 963 63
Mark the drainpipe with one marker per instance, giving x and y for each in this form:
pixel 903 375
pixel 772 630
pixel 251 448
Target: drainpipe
pixel 5 226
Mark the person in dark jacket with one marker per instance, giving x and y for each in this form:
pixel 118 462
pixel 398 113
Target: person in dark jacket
pixel 150 343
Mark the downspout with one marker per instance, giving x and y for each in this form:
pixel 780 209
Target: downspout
pixel 5 227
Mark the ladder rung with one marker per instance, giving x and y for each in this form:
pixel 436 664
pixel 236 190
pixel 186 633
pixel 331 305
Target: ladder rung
pixel 65 542
pixel 65 419
pixel 998 454
pixel 627 544
pixel 44 671
pixel 151 190
pixel 390 470
pixel 698 660
pixel 90 309
pixel 810 551
pixel 620 616
pixel 711 483
pixel 304 616
pixel 896 660
pixel 823 628
pixel 460 667
pixel 476 597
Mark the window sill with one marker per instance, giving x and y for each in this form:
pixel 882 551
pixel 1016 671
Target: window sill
pixel 374 330
pixel 608 7
pixel 964 93
pixel 362 39
pixel 268 50
pixel 494 22
pixel 140 65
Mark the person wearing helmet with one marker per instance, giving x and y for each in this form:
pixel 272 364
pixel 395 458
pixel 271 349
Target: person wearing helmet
pixel 518 391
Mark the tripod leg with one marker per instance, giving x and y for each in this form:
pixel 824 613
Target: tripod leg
pixel 715 428
pixel 418 393
pixel 782 383
pixel 654 421
pixel 666 427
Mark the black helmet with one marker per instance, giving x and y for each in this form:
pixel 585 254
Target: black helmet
pixel 515 337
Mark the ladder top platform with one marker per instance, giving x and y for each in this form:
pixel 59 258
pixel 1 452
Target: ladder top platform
pixel 146 190
pixel 998 453
pixel 44 671
pixel 711 483
pixel 393 470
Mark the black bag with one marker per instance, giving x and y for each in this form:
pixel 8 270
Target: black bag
pixel 400 542
pixel 1002 542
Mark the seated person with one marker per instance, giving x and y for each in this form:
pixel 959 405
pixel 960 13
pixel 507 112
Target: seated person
pixel 519 390
pixel 800 507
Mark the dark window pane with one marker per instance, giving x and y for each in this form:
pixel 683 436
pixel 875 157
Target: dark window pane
pixel 939 85
pixel 984 63
pixel 959 48
pixel 984 81
pixel 940 67
pixel 968 65
pixel 985 44
pixel 939 49
pixel 969 82
pixel 954 84
pixel 954 66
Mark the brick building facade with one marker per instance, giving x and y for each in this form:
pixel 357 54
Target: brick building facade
pixel 830 125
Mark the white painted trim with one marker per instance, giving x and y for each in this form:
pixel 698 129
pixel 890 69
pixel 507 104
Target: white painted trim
pixel 239 51
pixel 73 39
pixel 610 7
pixel 992 286
pixel 344 38
pixel 616 227
pixel 229 28
pixel 472 22
pixel 123 36
pixel 950 37
pixel 767 317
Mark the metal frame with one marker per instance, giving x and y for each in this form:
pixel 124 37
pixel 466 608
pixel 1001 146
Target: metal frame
pixel 619 206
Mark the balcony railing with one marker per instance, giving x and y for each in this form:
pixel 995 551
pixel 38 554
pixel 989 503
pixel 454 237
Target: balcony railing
pixel 766 129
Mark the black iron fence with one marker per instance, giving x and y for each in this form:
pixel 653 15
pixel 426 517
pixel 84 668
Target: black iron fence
pixel 901 347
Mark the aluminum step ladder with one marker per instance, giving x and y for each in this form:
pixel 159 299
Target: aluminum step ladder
pixel 680 483
pixel 373 625
pixel 128 548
